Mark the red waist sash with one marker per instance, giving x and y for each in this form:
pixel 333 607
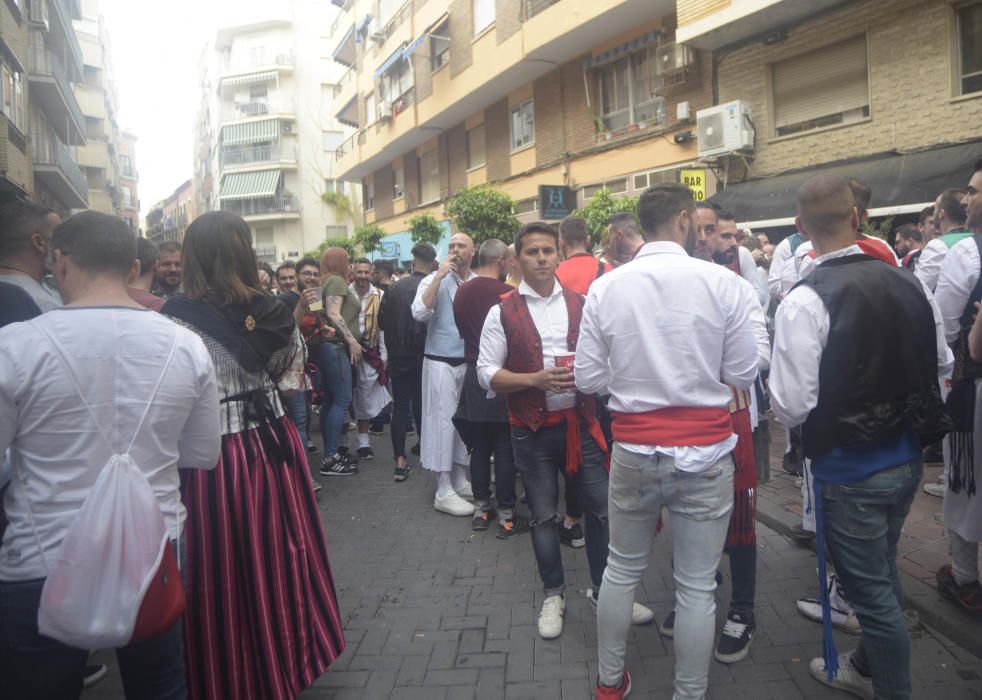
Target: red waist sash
pixel 692 426
pixel 574 452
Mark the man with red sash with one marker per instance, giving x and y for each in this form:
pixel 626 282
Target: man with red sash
pixel 667 335
pixel 527 345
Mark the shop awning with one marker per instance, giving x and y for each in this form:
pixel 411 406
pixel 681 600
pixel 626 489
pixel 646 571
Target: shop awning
pixel 390 61
pixel 249 79
pixel 897 180
pixel 249 185
pixel 624 49
pixel 252 132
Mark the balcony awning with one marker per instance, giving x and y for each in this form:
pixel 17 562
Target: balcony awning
pixel 417 42
pixel 249 79
pixel 390 61
pixel 622 50
pixel 345 51
pixel 253 132
pixel 248 185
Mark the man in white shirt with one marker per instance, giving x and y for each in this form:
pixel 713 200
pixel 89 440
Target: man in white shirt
pixel 666 335
pixel 115 351
pixel 444 366
pixel 858 357
pixel 728 253
pixel 958 292
pixel 370 397
pixel 949 222
pixel 527 345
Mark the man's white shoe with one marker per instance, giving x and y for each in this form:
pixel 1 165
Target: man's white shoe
pixel 843 618
pixel 551 617
pixel 465 491
pixel 452 504
pixel 640 615
pixel 937 488
pixel 847 678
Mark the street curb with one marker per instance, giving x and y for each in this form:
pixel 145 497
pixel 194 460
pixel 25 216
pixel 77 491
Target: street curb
pixel 931 608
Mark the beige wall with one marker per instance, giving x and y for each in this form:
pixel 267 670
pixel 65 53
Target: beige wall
pixel 912 103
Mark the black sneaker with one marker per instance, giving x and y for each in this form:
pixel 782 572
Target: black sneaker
pixel 311 447
pixel 667 626
pixel 343 450
pixel 415 449
pixel 337 466
pixel 515 525
pixel 93 674
pixel 410 429
pixel 734 643
pixel 376 428
pixel 482 519
pixel 365 453
pixel 572 536
pixel 402 473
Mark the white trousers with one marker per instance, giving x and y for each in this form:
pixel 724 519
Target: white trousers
pixel 440 445
pixel 369 397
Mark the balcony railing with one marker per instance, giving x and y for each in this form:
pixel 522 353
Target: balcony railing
pixel 39 12
pixel 257 108
pixel 48 150
pixel 265 253
pixel 231 157
pixel 530 8
pixel 347 77
pixel 277 204
pixel 348 145
pixel 44 63
pixel 60 13
pixel 397 19
pixel 286 59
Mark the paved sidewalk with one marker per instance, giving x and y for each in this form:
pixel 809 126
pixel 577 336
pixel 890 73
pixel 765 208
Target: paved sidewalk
pixel 435 611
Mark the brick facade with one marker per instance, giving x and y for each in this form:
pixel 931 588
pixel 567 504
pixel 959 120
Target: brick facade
pixel 461 31
pixel 457 144
pixel 410 165
pixel 384 179
pixel 497 141
pixel 508 18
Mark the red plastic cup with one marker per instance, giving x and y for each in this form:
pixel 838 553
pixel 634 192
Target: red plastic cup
pixel 565 361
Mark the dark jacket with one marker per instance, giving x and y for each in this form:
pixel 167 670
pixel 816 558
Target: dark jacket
pixel 405 337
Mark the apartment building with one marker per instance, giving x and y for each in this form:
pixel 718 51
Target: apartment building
pixel 550 100
pixel 169 218
pixel 42 123
pixel 129 180
pixel 265 133
pixel 887 91
pixel 99 157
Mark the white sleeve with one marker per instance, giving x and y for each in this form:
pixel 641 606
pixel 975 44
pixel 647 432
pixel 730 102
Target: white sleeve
pixel 201 439
pixel 591 369
pixel 759 323
pixel 801 332
pixel 420 311
pixel 493 351
pixel 929 264
pixel 739 361
pixel 748 270
pixel 782 253
pixel 959 274
pixel 10 389
pixel 946 359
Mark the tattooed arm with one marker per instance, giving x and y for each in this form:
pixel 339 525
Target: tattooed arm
pixel 332 305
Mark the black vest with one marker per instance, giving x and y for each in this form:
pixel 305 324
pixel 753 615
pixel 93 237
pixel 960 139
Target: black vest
pixel 879 371
pixel 965 366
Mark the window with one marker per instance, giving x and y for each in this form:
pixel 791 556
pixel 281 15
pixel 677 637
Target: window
pixel 429 176
pixel 387 8
pixel 397 81
pixel 526 206
pixel 618 186
pixel 13 96
pixel 127 198
pixel 628 91
pixel 330 185
pixel 641 181
pixel 475 147
pixel 522 125
pixel 821 88
pixel 336 231
pixel 483 15
pixel 257 55
pixel 332 139
pixel 590 191
pixel 368 194
pixel 440 46
pixel 258 91
pixel 969 23
pixel 126 165
pixel 398 181
pixel 371 114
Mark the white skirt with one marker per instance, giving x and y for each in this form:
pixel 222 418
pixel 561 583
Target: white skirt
pixel 963 513
pixel 440 445
pixel 369 397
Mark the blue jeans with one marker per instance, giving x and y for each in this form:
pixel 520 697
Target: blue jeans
pixel 407 404
pixel 699 505
pixel 863 521
pixel 539 458
pixel 493 438
pixel 35 667
pixel 296 407
pixel 335 370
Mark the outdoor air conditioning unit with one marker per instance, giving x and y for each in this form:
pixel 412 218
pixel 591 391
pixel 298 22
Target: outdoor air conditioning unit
pixel 385 111
pixel 672 58
pixel 725 129
pixel 379 37
pixel 287 127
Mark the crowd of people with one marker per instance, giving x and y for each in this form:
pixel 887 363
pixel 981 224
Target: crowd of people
pixel 618 392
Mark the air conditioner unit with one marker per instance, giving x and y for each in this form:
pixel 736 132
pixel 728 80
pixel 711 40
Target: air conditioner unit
pixel 724 129
pixel 672 58
pixel 287 127
pixel 385 111
pixel 379 37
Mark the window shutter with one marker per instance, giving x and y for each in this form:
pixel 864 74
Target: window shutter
pixel 820 83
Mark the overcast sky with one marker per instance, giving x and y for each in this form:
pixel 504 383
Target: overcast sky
pixel 155 48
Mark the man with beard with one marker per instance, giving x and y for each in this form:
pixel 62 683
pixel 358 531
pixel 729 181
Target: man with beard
pixel 442 450
pixel 909 243
pixel 168 270
pixel 370 396
pixel 683 328
pixel 25 240
pixel 717 242
pixel 382 271
pixel 958 294
pixel 482 422
pixel 949 222
pixel 623 239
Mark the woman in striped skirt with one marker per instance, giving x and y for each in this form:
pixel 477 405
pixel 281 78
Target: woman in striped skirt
pixel 262 618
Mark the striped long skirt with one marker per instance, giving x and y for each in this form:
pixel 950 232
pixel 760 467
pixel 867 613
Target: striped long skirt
pixel 262 617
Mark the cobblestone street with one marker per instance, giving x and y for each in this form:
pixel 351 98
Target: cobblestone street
pixel 433 610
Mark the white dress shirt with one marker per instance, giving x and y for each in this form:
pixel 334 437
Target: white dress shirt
pixel 421 312
pixel 669 331
pixel 929 263
pixel 551 321
pixel 801 333
pixel 782 253
pixel 958 277
pixel 803 263
pixel 57 452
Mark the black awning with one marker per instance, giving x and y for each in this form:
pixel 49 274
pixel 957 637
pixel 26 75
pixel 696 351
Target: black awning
pixel 896 179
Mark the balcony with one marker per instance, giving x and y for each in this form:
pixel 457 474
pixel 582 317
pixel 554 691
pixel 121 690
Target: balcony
pixel 265 253
pixel 53 166
pixel 252 64
pixel 263 107
pixel 62 31
pixel 715 25
pixel 346 87
pixel 257 155
pixel 285 203
pixel 346 53
pixel 54 92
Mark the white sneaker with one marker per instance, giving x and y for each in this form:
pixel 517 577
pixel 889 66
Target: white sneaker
pixel 847 678
pixel 640 615
pixel 937 488
pixel 843 618
pixel 465 491
pixel 551 617
pixel 452 504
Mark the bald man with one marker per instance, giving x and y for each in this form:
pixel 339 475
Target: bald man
pixel 864 423
pixel 444 367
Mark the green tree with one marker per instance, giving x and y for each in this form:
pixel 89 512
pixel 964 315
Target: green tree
pixel 332 243
pixel 368 238
pixel 342 205
pixel 424 228
pixel 483 213
pixel 601 207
